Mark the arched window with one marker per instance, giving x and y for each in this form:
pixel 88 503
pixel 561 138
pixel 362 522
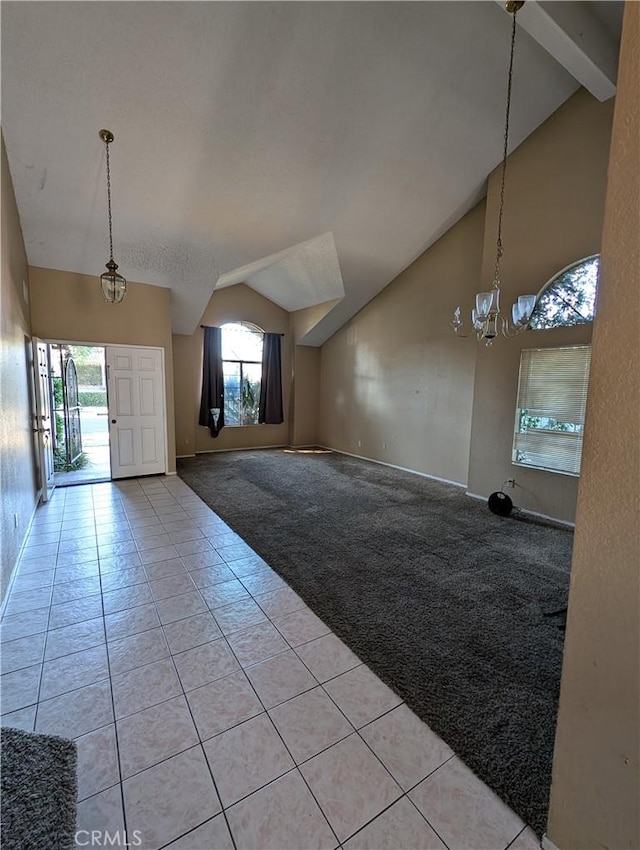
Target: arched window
pixel 569 298
pixel 242 369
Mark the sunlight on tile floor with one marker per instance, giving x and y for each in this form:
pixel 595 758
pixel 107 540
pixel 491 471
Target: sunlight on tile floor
pixel 211 708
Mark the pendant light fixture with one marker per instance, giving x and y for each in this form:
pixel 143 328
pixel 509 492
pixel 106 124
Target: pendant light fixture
pixel 113 284
pixel 486 320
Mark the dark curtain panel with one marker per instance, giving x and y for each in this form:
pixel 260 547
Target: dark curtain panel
pixel 212 400
pixel 270 407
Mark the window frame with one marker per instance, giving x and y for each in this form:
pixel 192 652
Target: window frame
pixel 575 403
pixel 254 329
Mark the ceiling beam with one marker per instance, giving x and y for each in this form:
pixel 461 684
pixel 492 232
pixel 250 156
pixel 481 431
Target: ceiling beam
pixel 574 36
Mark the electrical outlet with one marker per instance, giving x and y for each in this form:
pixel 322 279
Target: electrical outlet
pixel 511 482
pixel 359 444
pixel 384 447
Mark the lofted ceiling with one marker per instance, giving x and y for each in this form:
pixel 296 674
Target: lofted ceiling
pixel 309 150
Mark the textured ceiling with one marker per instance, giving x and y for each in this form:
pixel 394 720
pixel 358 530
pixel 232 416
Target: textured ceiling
pixel 342 137
pixel 299 277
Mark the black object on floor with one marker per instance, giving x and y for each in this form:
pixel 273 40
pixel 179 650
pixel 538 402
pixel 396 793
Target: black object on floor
pixel 39 788
pixel 441 598
pixel 500 504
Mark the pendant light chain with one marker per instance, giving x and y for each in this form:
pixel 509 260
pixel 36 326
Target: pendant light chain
pixel 496 273
pixel 114 285
pixel 109 203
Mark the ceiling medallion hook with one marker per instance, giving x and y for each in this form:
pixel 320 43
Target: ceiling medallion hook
pixel 486 320
pixel 106 136
pixel 113 284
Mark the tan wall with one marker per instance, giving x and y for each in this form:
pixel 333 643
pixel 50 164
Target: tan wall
pixel 395 375
pixel 186 392
pixel 70 307
pixel 556 182
pixel 305 394
pixel 232 304
pixel 17 464
pixel 595 792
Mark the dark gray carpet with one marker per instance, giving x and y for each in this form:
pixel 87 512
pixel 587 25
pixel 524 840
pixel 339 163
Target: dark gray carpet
pixel 443 599
pixel 39 790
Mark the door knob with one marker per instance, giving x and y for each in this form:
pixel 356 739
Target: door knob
pixel 113 421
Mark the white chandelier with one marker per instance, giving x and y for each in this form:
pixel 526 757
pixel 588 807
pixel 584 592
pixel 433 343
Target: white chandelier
pixel 486 320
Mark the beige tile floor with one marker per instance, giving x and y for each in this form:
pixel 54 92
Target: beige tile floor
pixel 211 708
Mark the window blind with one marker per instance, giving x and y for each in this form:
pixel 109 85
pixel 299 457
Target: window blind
pixel 552 396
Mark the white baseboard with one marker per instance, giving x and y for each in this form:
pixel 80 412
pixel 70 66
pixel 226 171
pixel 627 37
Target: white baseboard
pixel 547 843
pixel 529 513
pixel 246 449
pixel 242 449
pixel 17 561
pixel 394 466
pixel 337 451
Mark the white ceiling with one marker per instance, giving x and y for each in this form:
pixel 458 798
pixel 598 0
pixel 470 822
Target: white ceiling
pixel 299 277
pixel 343 138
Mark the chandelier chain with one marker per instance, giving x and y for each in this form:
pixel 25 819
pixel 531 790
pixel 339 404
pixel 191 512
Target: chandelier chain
pixel 499 251
pixel 109 203
pixel 486 320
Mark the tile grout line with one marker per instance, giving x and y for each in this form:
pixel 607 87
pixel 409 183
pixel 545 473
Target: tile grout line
pixel 44 649
pixel 266 712
pixel 195 725
pixel 516 837
pixel 355 731
pixel 242 669
pixel 200 744
pixel 296 767
pixel 113 707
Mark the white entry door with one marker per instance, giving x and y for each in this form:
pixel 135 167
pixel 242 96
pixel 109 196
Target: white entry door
pixel 135 381
pixel 43 419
